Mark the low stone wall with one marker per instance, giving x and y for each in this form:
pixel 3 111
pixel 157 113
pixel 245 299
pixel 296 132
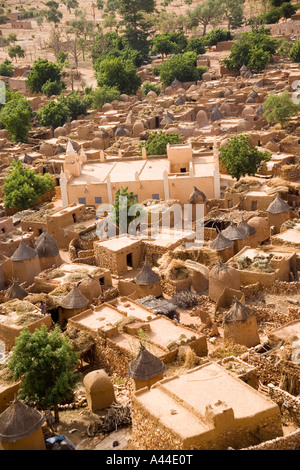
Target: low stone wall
pixel 288 404
pixel 290 442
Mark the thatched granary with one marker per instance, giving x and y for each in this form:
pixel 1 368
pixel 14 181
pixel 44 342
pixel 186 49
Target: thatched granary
pixel 148 282
pixel 223 246
pixel 5 270
pixel 145 369
pixel 72 304
pixel 48 251
pixel 222 276
pixel 25 263
pixel 99 390
pixel 21 428
pixel 237 235
pixel 278 213
pixel 240 325
pixel 16 292
pixel 196 198
pixel 251 239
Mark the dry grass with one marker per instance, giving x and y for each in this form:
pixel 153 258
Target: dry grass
pixel 229 348
pixel 6 376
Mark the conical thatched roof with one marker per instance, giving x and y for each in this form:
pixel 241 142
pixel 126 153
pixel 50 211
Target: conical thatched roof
pixel 147 276
pixel 16 292
pixel 74 299
pixel 19 421
pixel 145 365
pixel 233 232
pixel 278 206
pixel 238 312
pixel 194 197
pixel 23 252
pixel 247 228
pixel 175 83
pixel 46 246
pixel 220 243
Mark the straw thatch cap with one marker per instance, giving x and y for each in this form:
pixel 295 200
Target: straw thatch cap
pixel 247 228
pixel 19 421
pixel 46 246
pixel 23 252
pixel 233 232
pixel 175 83
pixel 238 312
pixel 220 243
pixel 196 194
pixel 147 276
pixel 16 292
pixel 278 206
pixel 74 299
pixel 145 365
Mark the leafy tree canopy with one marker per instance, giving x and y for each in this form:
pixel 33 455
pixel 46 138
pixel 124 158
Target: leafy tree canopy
pixel 42 71
pixel 181 66
pixel 46 363
pixel 158 141
pixel 240 158
pixel 280 108
pixel 16 116
pixel 23 187
pixel 118 73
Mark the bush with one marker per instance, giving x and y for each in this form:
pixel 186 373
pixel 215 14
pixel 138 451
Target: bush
pixel 75 104
pixel 217 35
pixel 6 68
pixel 54 114
pixel 23 187
pixel 103 95
pixel 52 88
pixel 158 141
pixel 16 117
pixel 197 45
pixel 295 52
pixel 180 66
pixel 279 108
pixel 148 86
pixel 245 50
pixel 42 71
pixel 120 74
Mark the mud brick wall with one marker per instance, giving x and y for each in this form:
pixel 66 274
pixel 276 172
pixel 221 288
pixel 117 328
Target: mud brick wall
pixel 290 442
pixel 281 287
pixel 288 404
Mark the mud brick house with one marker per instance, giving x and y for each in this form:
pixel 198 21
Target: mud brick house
pixel 203 409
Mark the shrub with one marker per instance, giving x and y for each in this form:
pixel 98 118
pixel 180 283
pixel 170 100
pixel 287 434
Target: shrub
pixel 197 45
pixel 148 86
pixel 6 68
pixel 52 88
pixel 103 95
pixel 180 66
pixel 54 114
pixel 158 141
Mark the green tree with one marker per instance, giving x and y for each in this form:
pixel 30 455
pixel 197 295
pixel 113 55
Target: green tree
pixel 103 95
pixel 46 363
pixel 52 15
pixel 196 44
pixel 208 12
pixel 233 11
pixel 280 108
pixel 54 114
pixel 23 187
pixel 42 71
pixel 52 88
pixel 6 68
pixel 158 141
pixel 137 25
pixel 16 51
pixel 16 117
pixel 70 4
pixel 295 51
pixel 124 200
pixel 119 73
pixel 169 43
pixel 244 50
pixel 240 158
pixel 76 106
pixel 12 37
pixel 181 66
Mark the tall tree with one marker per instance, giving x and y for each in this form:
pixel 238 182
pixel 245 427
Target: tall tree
pixel 46 363
pixel 136 25
pixel 233 11
pixel 207 13
pixel 70 4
